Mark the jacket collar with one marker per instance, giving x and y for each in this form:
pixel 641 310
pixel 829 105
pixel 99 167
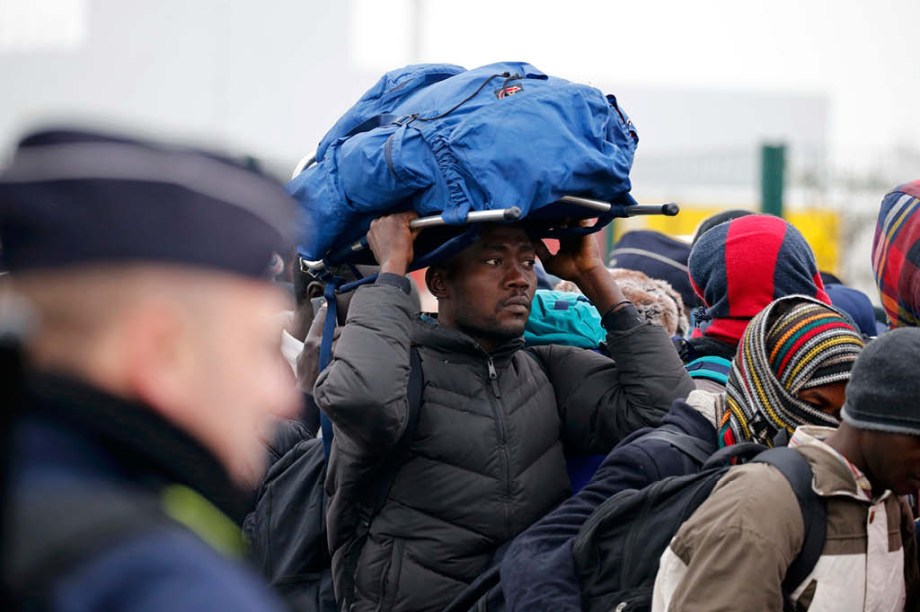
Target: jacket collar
pixel 692 418
pixel 140 440
pixel 428 333
pixel 832 475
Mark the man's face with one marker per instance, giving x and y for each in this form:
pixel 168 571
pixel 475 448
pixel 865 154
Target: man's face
pixel 202 349
pixel 488 289
pixel 239 381
pixel 829 398
pixel 893 461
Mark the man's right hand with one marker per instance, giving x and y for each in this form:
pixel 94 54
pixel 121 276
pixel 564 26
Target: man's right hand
pixel 391 240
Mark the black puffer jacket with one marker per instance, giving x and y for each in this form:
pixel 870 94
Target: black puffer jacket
pixel 487 458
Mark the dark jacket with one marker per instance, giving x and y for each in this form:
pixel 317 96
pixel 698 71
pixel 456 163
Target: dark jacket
pixel 703 346
pixel 487 457
pixel 538 572
pixel 286 530
pixel 73 442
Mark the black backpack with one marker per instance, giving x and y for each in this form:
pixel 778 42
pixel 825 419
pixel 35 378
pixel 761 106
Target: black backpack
pixel 485 593
pixel 617 551
pixel 287 528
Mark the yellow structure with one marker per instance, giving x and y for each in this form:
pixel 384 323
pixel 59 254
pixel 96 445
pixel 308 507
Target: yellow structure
pixel 821 227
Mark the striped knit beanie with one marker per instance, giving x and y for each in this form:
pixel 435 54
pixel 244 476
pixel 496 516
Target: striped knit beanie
pixel 896 255
pixel 796 343
pixel 739 267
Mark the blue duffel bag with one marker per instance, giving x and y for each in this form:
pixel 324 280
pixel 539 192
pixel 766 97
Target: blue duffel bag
pixel 447 141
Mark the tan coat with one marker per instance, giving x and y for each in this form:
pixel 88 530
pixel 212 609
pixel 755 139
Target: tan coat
pixel 734 551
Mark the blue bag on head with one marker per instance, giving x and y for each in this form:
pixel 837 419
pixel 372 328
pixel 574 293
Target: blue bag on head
pixel 443 140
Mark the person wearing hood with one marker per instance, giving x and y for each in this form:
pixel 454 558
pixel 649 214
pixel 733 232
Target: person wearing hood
pixel 737 268
pixel 896 255
pixel 149 366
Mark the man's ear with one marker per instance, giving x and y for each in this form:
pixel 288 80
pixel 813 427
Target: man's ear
pixel 436 280
pixel 157 359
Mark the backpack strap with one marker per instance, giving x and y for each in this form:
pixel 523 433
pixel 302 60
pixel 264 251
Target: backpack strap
pixel 797 471
pixel 468 598
pixel 325 352
pixel 711 368
pixel 377 492
pixel 695 448
pixel 334 286
pixel 735 453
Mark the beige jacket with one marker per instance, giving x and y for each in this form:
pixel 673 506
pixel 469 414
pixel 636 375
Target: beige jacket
pixel 734 551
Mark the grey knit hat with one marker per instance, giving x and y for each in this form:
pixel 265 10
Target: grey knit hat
pixel 884 389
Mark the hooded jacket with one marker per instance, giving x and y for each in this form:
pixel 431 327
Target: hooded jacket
pixel 896 255
pixel 740 266
pixel 487 457
pixel 733 553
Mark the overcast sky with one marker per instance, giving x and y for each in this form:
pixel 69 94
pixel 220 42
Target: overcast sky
pixel 271 76
pixel 863 55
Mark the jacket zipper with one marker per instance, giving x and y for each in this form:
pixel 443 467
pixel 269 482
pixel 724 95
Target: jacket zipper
pixel 502 443
pixel 493 376
pixel 393 570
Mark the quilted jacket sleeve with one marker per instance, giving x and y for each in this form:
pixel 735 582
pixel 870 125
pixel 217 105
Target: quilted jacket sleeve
pixel 364 389
pixel 602 400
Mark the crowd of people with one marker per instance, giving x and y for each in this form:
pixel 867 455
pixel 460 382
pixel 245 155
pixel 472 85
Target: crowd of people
pixel 174 440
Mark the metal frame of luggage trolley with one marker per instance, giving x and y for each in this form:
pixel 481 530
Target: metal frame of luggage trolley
pixel 510 214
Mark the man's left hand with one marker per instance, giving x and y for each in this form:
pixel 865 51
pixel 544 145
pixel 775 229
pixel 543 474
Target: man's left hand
pixel 577 256
pixel 579 260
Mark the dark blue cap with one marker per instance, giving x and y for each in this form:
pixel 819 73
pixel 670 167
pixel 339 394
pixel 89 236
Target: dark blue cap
pixel 76 197
pixel 658 256
pixel 856 305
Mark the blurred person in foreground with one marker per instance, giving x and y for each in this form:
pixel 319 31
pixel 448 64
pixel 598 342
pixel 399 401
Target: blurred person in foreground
pixel 151 366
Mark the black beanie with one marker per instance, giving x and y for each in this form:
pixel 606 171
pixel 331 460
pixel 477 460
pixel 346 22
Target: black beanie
pixel 884 390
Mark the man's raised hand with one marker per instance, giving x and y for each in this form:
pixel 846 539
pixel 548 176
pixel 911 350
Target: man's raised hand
pixel 391 240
